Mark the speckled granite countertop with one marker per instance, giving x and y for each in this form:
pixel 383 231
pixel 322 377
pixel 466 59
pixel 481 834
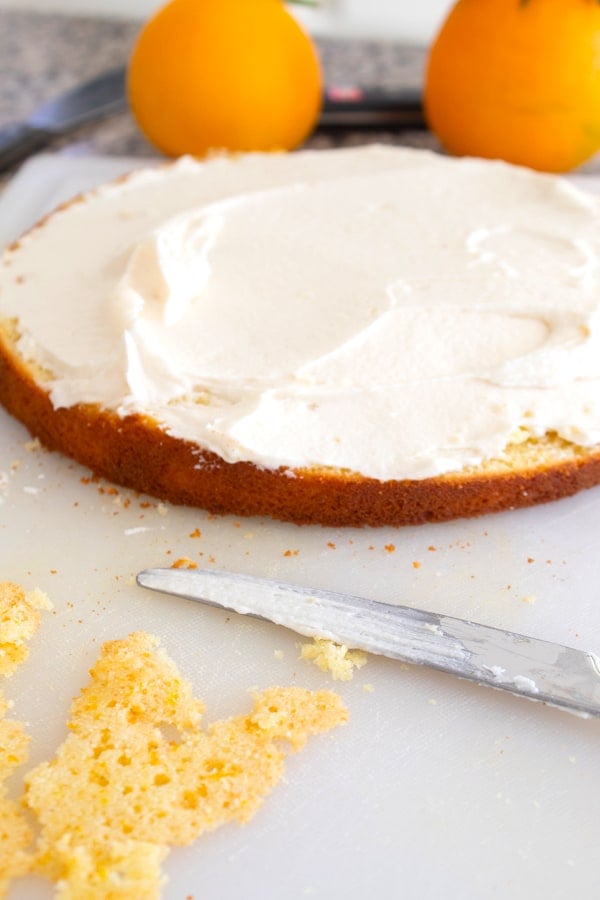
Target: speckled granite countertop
pixel 42 55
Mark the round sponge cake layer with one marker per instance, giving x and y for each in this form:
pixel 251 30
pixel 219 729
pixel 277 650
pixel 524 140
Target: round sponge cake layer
pixel 132 446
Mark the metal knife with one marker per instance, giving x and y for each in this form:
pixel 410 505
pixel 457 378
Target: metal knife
pixel 525 666
pixel 354 106
pixel 88 102
pixel 343 107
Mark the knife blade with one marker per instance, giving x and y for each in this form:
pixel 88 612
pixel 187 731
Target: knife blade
pixel 85 103
pixel 525 666
pixel 343 107
pixel 357 107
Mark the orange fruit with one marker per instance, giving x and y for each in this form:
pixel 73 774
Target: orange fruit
pixel 517 80
pixel 239 75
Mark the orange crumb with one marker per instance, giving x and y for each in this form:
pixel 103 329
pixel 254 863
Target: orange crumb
pixel 184 563
pixel 530 559
pixel 196 533
pixel 145 505
pixel 431 548
pixel 211 559
pixel 416 564
pixel 331 544
pixel 390 548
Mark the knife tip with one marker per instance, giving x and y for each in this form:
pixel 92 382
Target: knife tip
pixel 145 578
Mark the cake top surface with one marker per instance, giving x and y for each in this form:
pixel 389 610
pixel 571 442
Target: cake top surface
pixel 380 310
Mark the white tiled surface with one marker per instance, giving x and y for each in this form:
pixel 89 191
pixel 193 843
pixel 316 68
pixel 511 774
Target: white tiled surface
pixel 436 789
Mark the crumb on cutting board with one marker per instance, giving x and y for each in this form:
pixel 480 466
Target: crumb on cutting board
pixel 19 619
pixel 184 562
pixel 337 659
pixel 138 774
pixel 34 445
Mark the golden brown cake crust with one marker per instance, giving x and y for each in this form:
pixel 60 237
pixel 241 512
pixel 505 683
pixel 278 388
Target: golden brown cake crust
pixel 134 452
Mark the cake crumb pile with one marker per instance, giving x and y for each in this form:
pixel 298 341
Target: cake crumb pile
pixel 19 619
pixel 15 834
pixel 337 659
pixel 138 774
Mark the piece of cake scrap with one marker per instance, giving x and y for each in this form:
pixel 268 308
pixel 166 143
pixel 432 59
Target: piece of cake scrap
pixel 138 774
pixel 19 619
pixel 337 659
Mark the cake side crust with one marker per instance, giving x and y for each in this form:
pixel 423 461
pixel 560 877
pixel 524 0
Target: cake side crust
pixel 134 452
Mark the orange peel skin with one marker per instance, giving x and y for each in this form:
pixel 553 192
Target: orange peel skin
pixel 517 80
pixel 234 75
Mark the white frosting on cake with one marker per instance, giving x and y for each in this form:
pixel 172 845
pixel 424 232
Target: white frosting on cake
pixel 386 311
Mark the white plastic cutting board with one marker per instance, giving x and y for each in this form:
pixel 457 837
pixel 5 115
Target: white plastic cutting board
pixel 436 788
